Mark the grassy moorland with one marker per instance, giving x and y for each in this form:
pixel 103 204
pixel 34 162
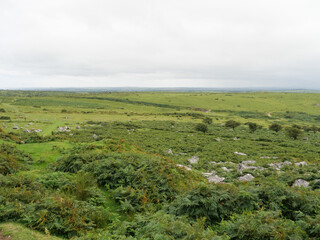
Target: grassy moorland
pixel 160 165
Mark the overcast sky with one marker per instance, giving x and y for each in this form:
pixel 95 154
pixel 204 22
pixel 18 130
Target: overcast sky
pixel 163 43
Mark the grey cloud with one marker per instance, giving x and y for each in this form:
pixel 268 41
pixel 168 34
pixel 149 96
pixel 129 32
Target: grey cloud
pixel 163 43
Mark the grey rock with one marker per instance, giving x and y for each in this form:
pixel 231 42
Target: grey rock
pixel 279 165
pixel 94 136
pixel 215 179
pixel 301 164
pixel 212 177
pixel 300 183
pixel 209 174
pixel 246 178
pixel 232 163
pixel 169 151
pixel 64 129
pixel 184 167
pixel 244 166
pixel 15 127
pixel 249 162
pixel 225 169
pixel 239 153
pixel 193 160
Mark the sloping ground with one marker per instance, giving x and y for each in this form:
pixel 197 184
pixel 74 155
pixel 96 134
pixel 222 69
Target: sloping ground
pixel 15 231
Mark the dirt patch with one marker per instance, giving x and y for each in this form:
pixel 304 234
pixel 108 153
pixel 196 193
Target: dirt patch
pixel 4 237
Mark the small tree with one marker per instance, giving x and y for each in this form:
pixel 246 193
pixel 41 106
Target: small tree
pixel 201 127
pixel 275 127
pixel 232 124
pixel 293 132
pixel 207 120
pixel 252 126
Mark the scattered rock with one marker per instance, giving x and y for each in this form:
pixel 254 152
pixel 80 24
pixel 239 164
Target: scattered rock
pixel 193 159
pixel 249 162
pixel 301 164
pixel 278 166
pixel 227 163
pixel 169 151
pixel 27 131
pixel 184 167
pixel 236 139
pixel 218 139
pixel 225 169
pixel 244 166
pixel 246 178
pixel 15 127
pixel 239 153
pixel 94 136
pixel 209 174
pixel 37 130
pixel 64 129
pixel 232 163
pixel 300 183
pixel 212 177
pixel 78 127
pixel 215 179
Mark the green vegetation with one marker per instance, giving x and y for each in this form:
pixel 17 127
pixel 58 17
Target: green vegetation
pixel 151 165
pixel 13 231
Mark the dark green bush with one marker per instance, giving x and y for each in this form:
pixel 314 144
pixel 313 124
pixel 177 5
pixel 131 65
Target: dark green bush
pixel 293 132
pixel 201 127
pixel 259 225
pixel 232 124
pixel 207 120
pixel 213 202
pixel 275 127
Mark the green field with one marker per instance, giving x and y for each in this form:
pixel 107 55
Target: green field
pixel 117 165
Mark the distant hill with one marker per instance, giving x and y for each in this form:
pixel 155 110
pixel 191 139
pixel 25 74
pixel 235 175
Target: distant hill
pixel 167 89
